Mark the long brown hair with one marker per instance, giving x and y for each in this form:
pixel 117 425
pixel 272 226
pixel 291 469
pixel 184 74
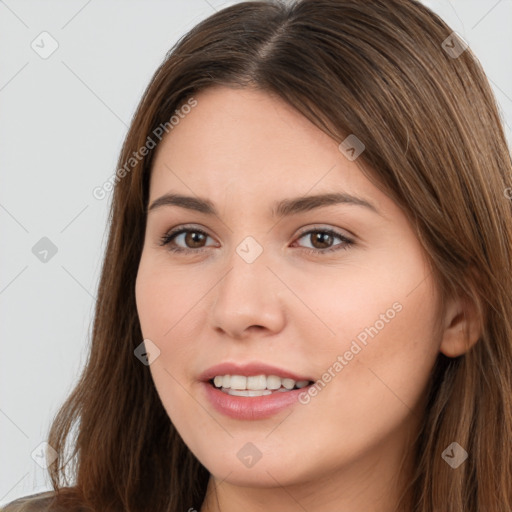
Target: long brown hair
pixel 434 141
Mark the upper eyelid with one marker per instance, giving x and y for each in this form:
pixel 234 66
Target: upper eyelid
pixel 316 227
pixel 302 231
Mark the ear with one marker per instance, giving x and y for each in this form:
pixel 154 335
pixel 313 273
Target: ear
pixel 462 327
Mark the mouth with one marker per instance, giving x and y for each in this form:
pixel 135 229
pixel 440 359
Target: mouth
pixel 256 385
pixel 252 391
pixel 253 404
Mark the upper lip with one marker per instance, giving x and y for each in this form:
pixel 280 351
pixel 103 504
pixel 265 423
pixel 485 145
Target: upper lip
pixel 250 369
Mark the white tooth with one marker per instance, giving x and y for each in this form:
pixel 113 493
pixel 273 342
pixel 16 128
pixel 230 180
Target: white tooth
pixel 261 392
pixel 273 382
pixel 257 382
pixel 238 382
pixel 248 392
pixel 288 383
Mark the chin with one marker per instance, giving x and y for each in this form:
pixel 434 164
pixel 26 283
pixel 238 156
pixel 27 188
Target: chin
pixel 243 463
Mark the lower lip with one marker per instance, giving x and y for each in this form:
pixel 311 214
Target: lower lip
pixel 254 407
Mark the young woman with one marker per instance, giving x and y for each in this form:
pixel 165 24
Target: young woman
pixel 305 300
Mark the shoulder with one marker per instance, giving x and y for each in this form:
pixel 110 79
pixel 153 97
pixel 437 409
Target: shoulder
pixel 67 499
pixel 39 502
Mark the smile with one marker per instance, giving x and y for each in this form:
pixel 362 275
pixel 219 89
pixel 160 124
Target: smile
pixel 252 390
pixel 256 385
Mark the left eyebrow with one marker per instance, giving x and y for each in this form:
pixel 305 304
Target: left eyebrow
pixel 293 206
pixel 283 208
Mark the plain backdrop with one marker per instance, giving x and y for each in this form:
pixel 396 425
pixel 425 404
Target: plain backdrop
pixel 63 119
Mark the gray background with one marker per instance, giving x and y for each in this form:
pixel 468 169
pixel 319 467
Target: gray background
pixel 63 120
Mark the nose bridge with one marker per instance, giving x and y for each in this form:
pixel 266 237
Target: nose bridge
pixel 249 293
pixel 248 278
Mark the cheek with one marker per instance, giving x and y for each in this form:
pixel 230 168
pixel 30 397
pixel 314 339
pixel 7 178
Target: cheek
pixel 386 295
pixel 168 306
pixel 374 372
pixel 165 299
pixel 373 332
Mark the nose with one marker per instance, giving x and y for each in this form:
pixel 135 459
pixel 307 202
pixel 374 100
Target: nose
pixel 248 300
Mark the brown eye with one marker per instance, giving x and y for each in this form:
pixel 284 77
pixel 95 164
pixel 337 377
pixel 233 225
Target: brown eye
pixel 194 239
pixel 184 240
pixel 322 240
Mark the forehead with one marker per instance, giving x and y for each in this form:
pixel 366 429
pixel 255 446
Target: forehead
pixel 247 143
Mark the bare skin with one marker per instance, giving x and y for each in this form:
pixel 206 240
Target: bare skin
pixel 245 150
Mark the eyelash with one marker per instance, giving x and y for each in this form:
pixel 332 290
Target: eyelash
pixel 168 238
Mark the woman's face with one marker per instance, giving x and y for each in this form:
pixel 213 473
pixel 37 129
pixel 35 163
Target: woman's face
pixel 276 283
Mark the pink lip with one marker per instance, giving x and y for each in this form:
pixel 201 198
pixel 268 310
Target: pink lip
pixel 250 408
pixel 249 369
